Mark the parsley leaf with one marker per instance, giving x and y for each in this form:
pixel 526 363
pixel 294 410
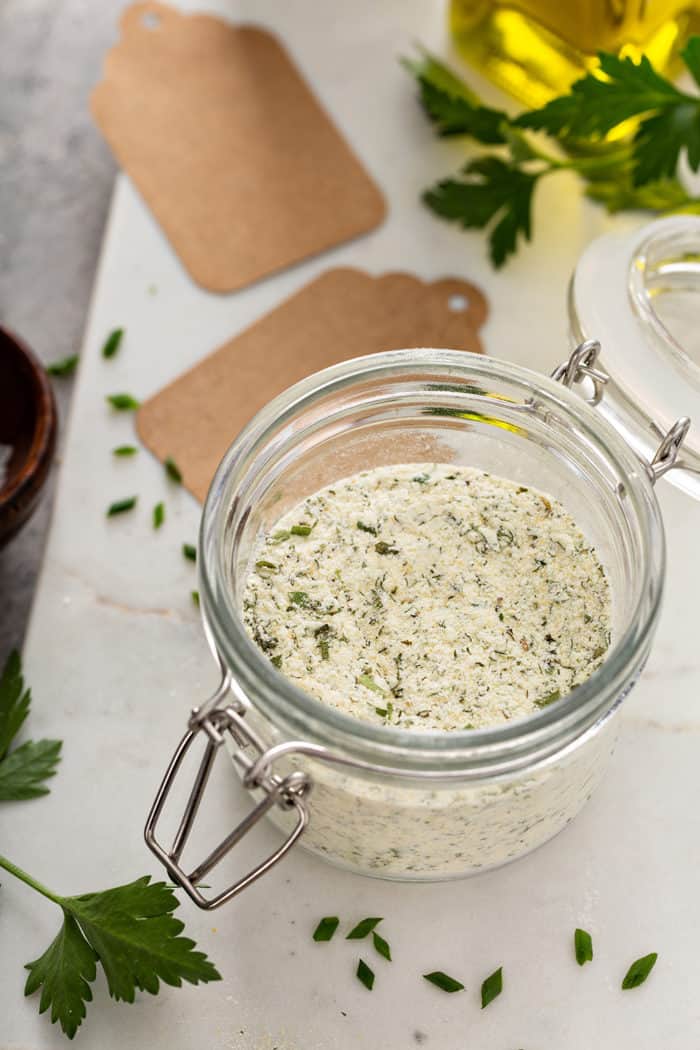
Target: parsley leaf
pixel 65 367
pixel 14 701
pixel 639 971
pixel 443 981
pixel 491 192
pixel 23 770
pixel 451 105
pixel 599 101
pixel 583 946
pixel 130 930
pixel 492 987
pixel 326 928
pixel 112 342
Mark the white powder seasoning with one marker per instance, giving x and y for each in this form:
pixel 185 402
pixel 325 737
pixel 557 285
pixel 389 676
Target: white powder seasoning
pixel 430 597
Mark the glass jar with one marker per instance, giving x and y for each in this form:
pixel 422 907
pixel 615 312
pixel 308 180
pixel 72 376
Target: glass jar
pixel 380 800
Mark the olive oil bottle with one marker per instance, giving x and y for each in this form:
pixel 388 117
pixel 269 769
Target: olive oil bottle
pixel 535 49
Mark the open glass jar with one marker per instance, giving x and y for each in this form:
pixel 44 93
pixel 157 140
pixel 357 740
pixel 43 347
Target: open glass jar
pixel 375 799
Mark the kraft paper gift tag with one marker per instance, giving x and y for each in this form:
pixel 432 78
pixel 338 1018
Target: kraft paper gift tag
pixel 344 313
pixel 228 146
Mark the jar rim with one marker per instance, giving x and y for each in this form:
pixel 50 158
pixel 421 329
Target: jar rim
pixel 290 706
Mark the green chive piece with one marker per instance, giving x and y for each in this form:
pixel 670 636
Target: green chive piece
pixel 195 597
pixel 326 928
pixel 639 971
pixel 122 402
pixel 441 980
pixel 492 987
pixel 369 683
pixel 172 470
pixel 112 342
pixel 385 548
pixel 158 515
pixel 65 367
pixel 550 698
pixel 262 565
pixel 366 528
pixel 121 506
pixel 302 529
pixel 280 536
pixel 299 598
pixel 189 551
pixel 381 946
pixel 363 927
pixel 583 946
pixel 365 975
pixel 276 661
pixel 125 450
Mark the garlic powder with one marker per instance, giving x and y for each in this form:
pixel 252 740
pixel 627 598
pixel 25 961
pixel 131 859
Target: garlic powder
pixel 430 596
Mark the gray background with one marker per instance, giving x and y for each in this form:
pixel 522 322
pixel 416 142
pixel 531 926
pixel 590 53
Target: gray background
pixel 56 178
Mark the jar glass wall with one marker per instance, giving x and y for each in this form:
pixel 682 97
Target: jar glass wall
pixel 446 804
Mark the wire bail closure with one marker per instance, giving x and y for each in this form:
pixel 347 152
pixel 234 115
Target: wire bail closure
pixel 581 365
pixel 220 723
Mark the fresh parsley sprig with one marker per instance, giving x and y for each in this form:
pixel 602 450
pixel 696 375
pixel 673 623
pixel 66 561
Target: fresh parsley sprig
pixel 639 170
pixel 25 769
pixel 129 931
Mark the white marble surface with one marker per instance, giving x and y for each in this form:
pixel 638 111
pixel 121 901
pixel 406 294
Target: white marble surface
pixel 115 657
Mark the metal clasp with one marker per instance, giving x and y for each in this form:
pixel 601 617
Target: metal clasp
pixel 289 792
pixel 580 365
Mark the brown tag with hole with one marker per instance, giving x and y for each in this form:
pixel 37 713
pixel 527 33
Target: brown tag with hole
pixel 230 149
pixel 344 313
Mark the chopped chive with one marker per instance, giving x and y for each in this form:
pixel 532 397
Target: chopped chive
pixel 639 971
pixel 189 551
pixel 302 529
pixel 195 597
pixel 121 506
pixel 545 701
pixel 125 450
pixel 365 975
pixel 381 946
pixel 111 344
pixel 158 515
pixel 583 946
pixel 172 470
pixel 122 402
pixel 280 536
pixel 299 598
pixel 385 548
pixel 441 980
pixel 492 987
pixel 363 927
pixel 369 683
pixel 366 528
pixel 326 928
pixel 65 367
pixel 263 564
pixel 323 647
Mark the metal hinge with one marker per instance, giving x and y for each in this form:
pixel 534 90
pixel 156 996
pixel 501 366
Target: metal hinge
pixel 582 364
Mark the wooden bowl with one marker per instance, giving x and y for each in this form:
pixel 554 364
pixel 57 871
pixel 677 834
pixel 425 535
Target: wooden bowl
pixel 28 425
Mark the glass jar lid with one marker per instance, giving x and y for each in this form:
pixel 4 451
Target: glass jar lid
pixel 638 294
